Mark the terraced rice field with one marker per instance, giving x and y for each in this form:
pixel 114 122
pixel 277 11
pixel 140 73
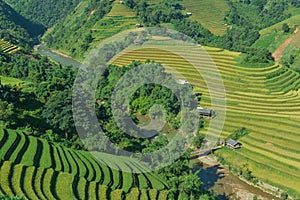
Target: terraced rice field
pixel 269 108
pixel 118 19
pixel 35 159
pixel 41 183
pixel 6 47
pixel 209 13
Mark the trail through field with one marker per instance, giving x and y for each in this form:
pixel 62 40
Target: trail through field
pixel 278 53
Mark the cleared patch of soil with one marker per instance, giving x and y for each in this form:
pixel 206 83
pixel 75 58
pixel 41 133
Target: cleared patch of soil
pixel 278 53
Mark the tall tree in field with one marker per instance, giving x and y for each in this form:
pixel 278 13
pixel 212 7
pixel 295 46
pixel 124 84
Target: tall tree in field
pixel 285 28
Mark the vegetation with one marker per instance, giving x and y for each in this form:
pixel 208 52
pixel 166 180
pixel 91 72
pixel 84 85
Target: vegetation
pixel 77 163
pixel 37 132
pixel 45 13
pixel 13 26
pixel 258 104
pixel 118 19
pixel 239 133
pixel 52 185
pixel 70 35
pixel 6 47
pixel 208 13
pixel 272 37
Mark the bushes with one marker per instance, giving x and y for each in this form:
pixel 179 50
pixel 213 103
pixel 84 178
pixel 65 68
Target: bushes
pixel 239 133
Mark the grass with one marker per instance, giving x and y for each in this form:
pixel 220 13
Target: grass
pixel 269 108
pixel 209 13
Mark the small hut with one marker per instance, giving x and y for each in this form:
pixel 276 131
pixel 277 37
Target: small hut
pixel 206 112
pixel 139 42
pixel 182 82
pixel 139 26
pixel 233 144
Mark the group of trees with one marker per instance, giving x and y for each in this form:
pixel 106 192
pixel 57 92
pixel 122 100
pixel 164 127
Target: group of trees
pixel 13 26
pixel 45 13
pixel 163 12
pixel 246 19
pixel 9 97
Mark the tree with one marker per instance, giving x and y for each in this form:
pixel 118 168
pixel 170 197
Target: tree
pixel 6 111
pixel 284 196
pixel 190 183
pixel 58 112
pixel 285 28
pixel 130 3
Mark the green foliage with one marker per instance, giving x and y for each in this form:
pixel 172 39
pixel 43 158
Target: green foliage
pixel 198 140
pixel 46 12
pixel 284 196
pixel 58 112
pixel 194 29
pixel 163 12
pixel 259 56
pixel 190 183
pixel 285 28
pixel 71 35
pixel 239 133
pixel 13 26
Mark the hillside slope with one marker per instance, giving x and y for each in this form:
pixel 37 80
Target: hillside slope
pixel 23 157
pixel 264 100
pixel 273 36
pixel 74 35
pixel 13 27
pixel 209 13
pixel 43 12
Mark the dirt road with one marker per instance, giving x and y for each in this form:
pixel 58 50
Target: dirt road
pixel 278 53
